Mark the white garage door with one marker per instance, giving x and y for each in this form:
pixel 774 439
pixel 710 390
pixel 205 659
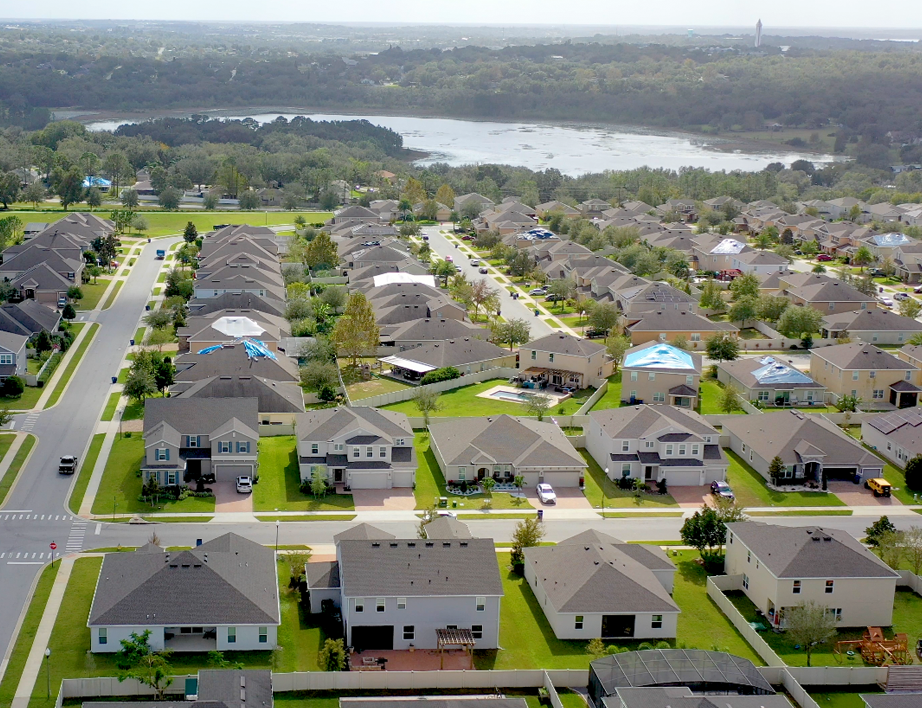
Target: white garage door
pixel 403 478
pixel 561 479
pixel 229 473
pixel 683 478
pixel 369 480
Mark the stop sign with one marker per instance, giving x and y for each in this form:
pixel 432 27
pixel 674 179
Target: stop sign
pixel 52 545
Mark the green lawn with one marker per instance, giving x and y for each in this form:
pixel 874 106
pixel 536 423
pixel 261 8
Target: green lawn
pixel 464 402
pixel 843 699
pixel 907 617
pixel 710 398
pixel 15 466
pixel 373 387
pixel 612 396
pixel 27 401
pixel 430 484
pixel 114 294
pixel 139 334
pixel 529 643
pixel 123 375
pixel 33 365
pixel 750 489
pixel 26 635
pixel 279 483
pixel 92 294
pixel 72 366
pixel 7 480
pixel 121 484
pixel 805 409
pixel 86 471
pixel 109 411
pixel 597 484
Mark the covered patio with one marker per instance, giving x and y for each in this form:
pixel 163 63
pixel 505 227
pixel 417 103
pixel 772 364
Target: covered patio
pixel 406 369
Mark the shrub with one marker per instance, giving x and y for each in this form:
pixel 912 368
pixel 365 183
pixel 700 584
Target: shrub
pixel 13 387
pixel 444 374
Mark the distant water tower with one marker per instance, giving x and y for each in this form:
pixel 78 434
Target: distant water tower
pixel 759 33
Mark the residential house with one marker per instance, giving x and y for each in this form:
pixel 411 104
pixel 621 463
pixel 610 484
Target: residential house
pixel 416 333
pixel 360 447
pixel 43 284
pixel 546 209
pixel 634 295
pixel 65 263
pixel 784 566
pixel 278 401
pixel 656 372
pixel 592 208
pixel 770 382
pixel 875 326
pixel 810 447
pixel 886 212
pixel 759 262
pixel 446 527
pixel 220 596
pixel 416 593
pixel 908 262
pixel 467 355
pixel 564 360
pixel 828 295
pixel 236 301
pixel 413 301
pixel 187 438
pixel 686 208
pixel 12 355
pixel 593 585
pixel 442 213
pixel 504 447
pixel 483 203
pixel 896 435
pixel 236 359
pixel 668 323
pixel 884 245
pixel 714 253
pixel 28 317
pixel 229 326
pixel 386 209
pixel 229 280
pixel 656 443
pixel 879 379
pixel 353 213
pixel 911 353
pixel 842 207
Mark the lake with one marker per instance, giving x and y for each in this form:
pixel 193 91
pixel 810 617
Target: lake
pixel 572 148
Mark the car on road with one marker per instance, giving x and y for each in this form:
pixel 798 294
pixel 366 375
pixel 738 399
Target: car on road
pixel 475 263
pixel 538 291
pixel 458 269
pixel 244 485
pixel 918 290
pixel 546 494
pixel 901 296
pixel 483 271
pixel 425 238
pixel 721 489
pixel 67 464
pixel 886 302
pixel 448 258
pixel 824 257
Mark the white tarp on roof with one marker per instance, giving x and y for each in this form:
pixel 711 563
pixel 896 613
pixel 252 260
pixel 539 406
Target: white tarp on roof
pixel 391 278
pixel 407 364
pixel 891 239
pixel 775 372
pixel 238 327
pixel 728 246
pixel 660 356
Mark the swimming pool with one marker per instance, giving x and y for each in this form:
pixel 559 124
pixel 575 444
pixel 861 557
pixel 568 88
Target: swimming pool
pixel 510 396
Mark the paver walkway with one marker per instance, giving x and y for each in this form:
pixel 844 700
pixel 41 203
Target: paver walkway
pixel 383 499
pixel 228 500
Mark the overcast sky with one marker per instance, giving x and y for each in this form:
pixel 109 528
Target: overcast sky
pixel 777 13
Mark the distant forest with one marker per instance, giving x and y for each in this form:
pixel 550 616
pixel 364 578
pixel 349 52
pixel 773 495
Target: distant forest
pixel 855 94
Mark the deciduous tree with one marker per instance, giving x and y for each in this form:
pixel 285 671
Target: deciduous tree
pixel 426 402
pixel 723 347
pixel 527 534
pixel 809 624
pixel 137 660
pixel 356 333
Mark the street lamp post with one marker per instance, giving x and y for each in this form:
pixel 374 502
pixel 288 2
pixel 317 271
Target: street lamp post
pixel 603 492
pixel 48 668
pixel 277 523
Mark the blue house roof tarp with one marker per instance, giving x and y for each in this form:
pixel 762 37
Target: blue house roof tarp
pixel 661 356
pixel 93 181
pixel 774 372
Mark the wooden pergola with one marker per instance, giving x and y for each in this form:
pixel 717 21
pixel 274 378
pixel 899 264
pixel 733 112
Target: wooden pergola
pixel 448 638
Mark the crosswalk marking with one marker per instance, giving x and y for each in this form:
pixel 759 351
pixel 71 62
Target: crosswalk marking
pixel 23 516
pixel 29 422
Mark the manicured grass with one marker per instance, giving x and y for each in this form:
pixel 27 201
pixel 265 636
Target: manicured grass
pixel 430 484
pixel 306 517
pixel 109 411
pixel 843 699
pixel 497 515
pixel 16 464
pixel 373 387
pixel 710 398
pixel 612 396
pixel 645 515
pixel 92 294
pixel 279 481
pixel 33 365
pixel 86 471
pixel 114 294
pixel 907 617
pixel 598 484
pixel 804 512
pixel 26 635
pixel 805 409
pixel 72 366
pixel 27 401
pixel 123 375
pixel 178 519
pixel 464 402
pixel 750 489
pixel 139 334
pixel 121 484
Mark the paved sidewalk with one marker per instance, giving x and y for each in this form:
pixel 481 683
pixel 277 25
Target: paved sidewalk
pixel 43 636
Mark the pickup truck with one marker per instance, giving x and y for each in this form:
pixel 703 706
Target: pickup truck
pixel 68 464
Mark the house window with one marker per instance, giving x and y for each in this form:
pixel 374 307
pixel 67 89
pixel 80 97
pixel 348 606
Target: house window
pixel 696 336
pixel 170 478
pixel 763 395
pixel 224 446
pixel 730 538
pixel 477 631
pixel 315 448
pixel 625 469
pixel 534 355
pixel 872 374
pixel 231 635
pixel 578 622
pixel 401 603
pixel 103 635
pixel 263 635
pixel 6 358
pixel 359 604
pixel 338 447
pixel 481 604
pixel 906 377
pixel 163 453
pixel 409 632
pixel 462 473
pixel 382 452
pixel 689 380
pixel 832 306
pixel 398 442
pixel 682 450
pixel 657 622
pixel 696 450
pixel 356 452
pixel 625 445
pixel 878 393
pixel 796 589
pixel 830 586
pixel 550 358
pixel 749 556
pixel 633 376
pixel 670 449
pixel 369 452
pixel 379 605
pixel 835 611
pixel 243 447
pixel 659 397
pixel 193 440
pixel 662 336
pixel 855 376
pixel 745 581
pixel 651 376
pixel 649 444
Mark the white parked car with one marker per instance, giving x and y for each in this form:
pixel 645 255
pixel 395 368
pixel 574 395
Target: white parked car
pixel 244 485
pixel 546 494
pixel 886 302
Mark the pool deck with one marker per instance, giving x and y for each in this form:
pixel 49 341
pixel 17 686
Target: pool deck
pixel 556 398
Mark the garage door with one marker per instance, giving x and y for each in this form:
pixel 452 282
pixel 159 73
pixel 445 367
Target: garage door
pixel 847 473
pixel 373 638
pixel 369 480
pixel 562 479
pixel 229 473
pixel 683 478
pixel 404 478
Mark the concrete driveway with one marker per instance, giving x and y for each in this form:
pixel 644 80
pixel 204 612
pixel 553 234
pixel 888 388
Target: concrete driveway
pixel 567 498
pixel 383 499
pixel 227 499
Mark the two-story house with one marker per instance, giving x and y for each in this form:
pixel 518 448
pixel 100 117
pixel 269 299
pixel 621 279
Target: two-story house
pixel 564 360
pixel 828 295
pixel 657 372
pixel 896 435
pixel 782 567
pixel 875 326
pixel 187 438
pixel 879 379
pixel 360 448
pixel 12 355
pixel 656 443
pixel 669 322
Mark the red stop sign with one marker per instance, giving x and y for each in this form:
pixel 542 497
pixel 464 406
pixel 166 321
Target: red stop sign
pixel 52 545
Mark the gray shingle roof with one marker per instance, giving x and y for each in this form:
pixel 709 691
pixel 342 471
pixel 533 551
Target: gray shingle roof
pixel 199 416
pixel 638 421
pixel 809 551
pixel 232 360
pixel 565 344
pixel 362 532
pixel 408 568
pixel 322 574
pixel 28 317
pixel 893 700
pixel 236 301
pixel 272 396
pixel 328 423
pixel 873 320
pixel 682 697
pixel 455 352
pixel 445 527
pixel 859 356
pixel 229 580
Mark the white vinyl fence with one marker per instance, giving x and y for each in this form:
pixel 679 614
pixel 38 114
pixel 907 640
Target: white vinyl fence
pixel 383 399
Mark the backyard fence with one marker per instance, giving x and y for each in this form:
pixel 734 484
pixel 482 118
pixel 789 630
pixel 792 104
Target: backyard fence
pixel 593 399
pixel 564 421
pixel 910 580
pixel 383 399
pixel 717 585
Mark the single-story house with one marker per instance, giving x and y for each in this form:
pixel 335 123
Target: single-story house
pixel 467 355
pixel 876 326
pixel 771 382
pixel 896 435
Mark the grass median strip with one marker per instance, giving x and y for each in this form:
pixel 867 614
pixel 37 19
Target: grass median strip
pixel 306 517
pixel 803 512
pixel 639 515
pixel 6 483
pixel 86 471
pixel 114 294
pixel 109 411
pixel 72 366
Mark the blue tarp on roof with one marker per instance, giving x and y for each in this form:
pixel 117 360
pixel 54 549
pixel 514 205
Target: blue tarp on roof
pixel 891 239
pixel 774 372
pixel 538 233
pixel 253 347
pixel 661 356
pixel 93 181
pixel 729 246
